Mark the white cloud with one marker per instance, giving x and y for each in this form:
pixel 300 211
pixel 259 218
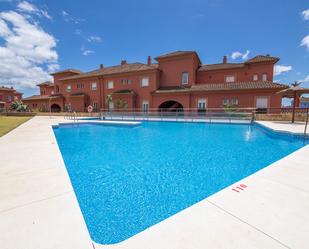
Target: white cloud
pixel 70 19
pixel 87 52
pixel 237 54
pixel 305 14
pixel 305 42
pixel 27 53
pixel 94 38
pixel 279 69
pixel 305 79
pixel 51 68
pixel 27 7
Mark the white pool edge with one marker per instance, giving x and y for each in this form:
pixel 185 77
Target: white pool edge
pixel 170 232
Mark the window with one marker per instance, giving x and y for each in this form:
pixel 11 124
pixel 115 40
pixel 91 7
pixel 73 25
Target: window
pixel 229 78
pixel 129 82
pixel 185 78
pixel 145 105
pixel 110 84
pixel 52 92
pixel 225 101
pixel 123 82
pixel 145 82
pixel 69 88
pixel 255 77
pixel 201 104
pixel 80 85
pixel 93 86
pixel 9 98
pixel 264 77
pixel 234 101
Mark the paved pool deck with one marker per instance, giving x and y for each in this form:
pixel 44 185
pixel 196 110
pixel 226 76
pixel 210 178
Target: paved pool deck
pixel 39 210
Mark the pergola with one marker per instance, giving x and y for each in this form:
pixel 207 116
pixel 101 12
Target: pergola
pixel 293 92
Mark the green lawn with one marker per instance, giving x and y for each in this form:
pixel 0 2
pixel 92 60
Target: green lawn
pixel 9 123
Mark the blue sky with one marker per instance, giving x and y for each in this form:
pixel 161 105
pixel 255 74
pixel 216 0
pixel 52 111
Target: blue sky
pixel 38 37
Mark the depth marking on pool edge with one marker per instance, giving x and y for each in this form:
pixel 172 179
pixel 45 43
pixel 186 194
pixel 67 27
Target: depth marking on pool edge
pixel 240 187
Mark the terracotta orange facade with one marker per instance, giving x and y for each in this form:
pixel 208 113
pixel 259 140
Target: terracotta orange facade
pixel 7 96
pixel 176 81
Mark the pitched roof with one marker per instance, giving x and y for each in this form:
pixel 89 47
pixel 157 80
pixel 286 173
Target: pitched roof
pixel 69 70
pixel 227 87
pixel 4 88
pixel 262 58
pixel 36 97
pixel 220 66
pixel 46 83
pixel 176 53
pixel 126 68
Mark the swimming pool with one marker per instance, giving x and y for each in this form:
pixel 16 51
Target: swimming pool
pixel 127 179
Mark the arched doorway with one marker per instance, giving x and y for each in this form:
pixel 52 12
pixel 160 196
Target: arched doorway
pixel 171 106
pixel 55 108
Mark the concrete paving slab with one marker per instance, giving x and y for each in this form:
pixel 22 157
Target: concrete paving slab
pixel 271 204
pixel 49 224
pixel 201 226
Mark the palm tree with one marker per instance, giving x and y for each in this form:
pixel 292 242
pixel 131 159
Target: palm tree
pixel 124 105
pixel 296 83
pixel 118 104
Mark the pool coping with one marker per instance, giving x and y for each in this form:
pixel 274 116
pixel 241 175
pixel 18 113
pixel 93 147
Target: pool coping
pixel 177 231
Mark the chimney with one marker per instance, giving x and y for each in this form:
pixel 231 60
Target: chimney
pixel 123 62
pixel 224 59
pixel 149 60
pixel 101 66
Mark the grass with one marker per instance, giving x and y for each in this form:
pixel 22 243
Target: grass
pixel 9 123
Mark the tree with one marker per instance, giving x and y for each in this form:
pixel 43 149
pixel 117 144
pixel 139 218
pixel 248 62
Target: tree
pixel 296 83
pixel 18 106
pixel 118 104
pixel 124 105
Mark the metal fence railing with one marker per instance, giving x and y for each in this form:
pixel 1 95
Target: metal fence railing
pixel 214 115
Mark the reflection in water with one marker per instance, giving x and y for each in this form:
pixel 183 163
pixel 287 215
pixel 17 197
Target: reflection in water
pixel 248 134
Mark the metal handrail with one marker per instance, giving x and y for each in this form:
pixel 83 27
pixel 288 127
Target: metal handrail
pixel 193 116
pixel 306 124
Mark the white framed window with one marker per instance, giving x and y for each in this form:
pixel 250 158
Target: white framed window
pixel 225 101
pixel 94 86
pixel 230 78
pixel 69 88
pixel 255 77
pixel 9 98
pixel 129 82
pixel 123 82
pixel 264 77
pixel 234 101
pixel 145 81
pixel 145 106
pixel 201 104
pixel 185 78
pixel 110 84
pixel 52 92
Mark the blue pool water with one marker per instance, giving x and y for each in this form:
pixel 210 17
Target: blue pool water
pixel 127 179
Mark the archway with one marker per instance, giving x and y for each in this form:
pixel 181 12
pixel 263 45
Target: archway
pixel 171 106
pixel 55 108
